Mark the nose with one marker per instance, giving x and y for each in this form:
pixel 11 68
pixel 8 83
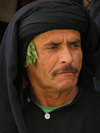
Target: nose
pixel 66 56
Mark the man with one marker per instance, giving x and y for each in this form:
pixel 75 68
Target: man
pixel 54 44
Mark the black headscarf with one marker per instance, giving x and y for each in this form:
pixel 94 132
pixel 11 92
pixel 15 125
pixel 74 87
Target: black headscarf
pixel 31 20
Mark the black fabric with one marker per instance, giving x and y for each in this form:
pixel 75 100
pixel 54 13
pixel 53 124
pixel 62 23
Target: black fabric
pixel 81 116
pixel 38 20
pixel 95 13
pixel 78 1
pixel 11 113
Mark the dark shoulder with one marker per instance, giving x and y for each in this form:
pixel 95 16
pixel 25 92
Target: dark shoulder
pixel 93 96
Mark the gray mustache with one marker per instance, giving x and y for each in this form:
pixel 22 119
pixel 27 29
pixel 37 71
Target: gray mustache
pixel 65 69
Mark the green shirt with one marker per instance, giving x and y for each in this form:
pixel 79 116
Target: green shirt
pixel 50 109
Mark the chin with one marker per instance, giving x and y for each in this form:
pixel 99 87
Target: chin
pixel 66 86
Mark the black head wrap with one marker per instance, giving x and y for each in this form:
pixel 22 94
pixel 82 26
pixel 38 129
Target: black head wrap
pixel 31 20
pixel 59 15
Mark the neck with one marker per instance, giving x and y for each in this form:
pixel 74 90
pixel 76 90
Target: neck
pixel 53 99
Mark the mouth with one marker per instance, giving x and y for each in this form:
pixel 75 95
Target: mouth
pixel 65 70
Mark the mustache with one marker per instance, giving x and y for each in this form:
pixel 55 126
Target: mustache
pixel 65 69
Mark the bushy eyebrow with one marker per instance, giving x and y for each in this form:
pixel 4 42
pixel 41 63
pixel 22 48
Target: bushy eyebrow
pixel 51 44
pixel 56 44
pixel 75 41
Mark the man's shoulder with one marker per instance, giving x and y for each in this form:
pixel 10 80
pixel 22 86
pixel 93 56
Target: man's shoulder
pixel 93 96
pixel 96 96
pixel 94 93
pixel 90 95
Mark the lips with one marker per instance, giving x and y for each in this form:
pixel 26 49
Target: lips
pixel 65 72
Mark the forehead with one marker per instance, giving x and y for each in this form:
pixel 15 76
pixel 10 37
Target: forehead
pixel 57 36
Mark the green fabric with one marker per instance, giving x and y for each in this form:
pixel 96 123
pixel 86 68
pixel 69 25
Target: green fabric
pixel 49 109
pixel 31 54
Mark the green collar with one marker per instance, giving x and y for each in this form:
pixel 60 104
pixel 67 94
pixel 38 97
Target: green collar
pixel 50 109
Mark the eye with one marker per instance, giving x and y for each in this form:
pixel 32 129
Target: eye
pixel 53 47
pixel 74 45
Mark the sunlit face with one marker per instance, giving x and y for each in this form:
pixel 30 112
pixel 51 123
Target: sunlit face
pixel 59 60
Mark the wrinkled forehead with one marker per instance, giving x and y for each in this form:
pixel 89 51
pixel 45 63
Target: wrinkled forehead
pixel 57 36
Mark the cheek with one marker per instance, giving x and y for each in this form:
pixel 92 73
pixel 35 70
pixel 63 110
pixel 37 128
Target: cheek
pixel 46 62
pixel 78 60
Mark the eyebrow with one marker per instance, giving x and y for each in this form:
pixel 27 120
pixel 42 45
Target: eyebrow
pixel 75 41
pixel 51 44
pixel 54 43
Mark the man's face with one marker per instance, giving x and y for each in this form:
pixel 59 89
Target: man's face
pixel 59 60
